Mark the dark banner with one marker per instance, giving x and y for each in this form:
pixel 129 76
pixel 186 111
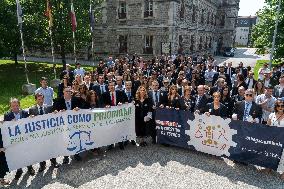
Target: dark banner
pixel 245 142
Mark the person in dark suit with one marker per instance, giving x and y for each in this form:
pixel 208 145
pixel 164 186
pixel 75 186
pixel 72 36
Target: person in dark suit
pixel 40 109
pixel 157 97
pixel 201 100
pixel 230 70
pixel 69 73
pixel 247 108
pixel 87 81
pixel 174 99
pixel 242 69
pixel 3 164
pixel 67 102
pixel 129 92
pixel 216 107
pixel 114 98
pixel 222 74
pixel 65 83
pixel 250 81
pixel 15 114
pixel 227 100
pixel 101 87
pixel 240 83
pixel 218 87
pixel 278 89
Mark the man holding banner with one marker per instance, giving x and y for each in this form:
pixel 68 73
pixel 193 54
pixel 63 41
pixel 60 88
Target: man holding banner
pixel 15 114
pixel 40 109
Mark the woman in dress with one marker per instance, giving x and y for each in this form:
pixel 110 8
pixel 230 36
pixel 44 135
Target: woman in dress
pixel 276 119
pixel 174 100
pixel 216 107
pixel 143 114
pixel 189 103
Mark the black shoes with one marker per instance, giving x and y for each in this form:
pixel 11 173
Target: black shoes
pixel 65 160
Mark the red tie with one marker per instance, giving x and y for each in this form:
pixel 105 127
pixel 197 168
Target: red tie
pixel 112 99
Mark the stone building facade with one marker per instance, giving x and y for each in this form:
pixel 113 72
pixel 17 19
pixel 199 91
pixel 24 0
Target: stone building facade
pixel 153 27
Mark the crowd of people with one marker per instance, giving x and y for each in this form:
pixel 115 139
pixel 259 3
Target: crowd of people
pixel 195 84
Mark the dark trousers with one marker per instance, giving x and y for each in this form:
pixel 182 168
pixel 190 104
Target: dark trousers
pixel 3 165
pixel 52 160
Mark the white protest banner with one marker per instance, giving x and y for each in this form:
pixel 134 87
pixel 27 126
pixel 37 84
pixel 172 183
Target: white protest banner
pixel 31 140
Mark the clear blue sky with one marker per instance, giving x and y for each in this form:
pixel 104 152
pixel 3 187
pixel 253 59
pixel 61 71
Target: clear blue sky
pixel 250 7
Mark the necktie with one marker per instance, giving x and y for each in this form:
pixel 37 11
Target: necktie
pixel 198 99
pixel 246 114
pixel 129 96
pixel 68 106
pixel 102 89
pixel 112 99
pixel 156 98
pixel 41 111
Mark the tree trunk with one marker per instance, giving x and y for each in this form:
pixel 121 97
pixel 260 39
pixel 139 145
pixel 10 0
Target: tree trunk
pixel 16 58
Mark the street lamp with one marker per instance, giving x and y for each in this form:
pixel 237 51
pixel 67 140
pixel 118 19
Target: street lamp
pixel 275 34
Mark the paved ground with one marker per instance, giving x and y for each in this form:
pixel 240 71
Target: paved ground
pixel 245 55
pixel 151 167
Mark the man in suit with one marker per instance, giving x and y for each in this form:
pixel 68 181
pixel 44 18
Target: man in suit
pixel 230 70
pixel 158 97
pixel 15 114
pixel 40 109
pixel 242 69
pixel 114 98
pixel 250 81
pixel 88 83
pixel 67 102
pixel 222 73
pixel 129 92
pixel 219 86
pixel 278 89
pixel 101 87
pixel 246 108
pixel 201 100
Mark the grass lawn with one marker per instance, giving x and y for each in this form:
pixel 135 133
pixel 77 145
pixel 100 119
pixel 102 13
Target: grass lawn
pixel 12 77
pixel 259 64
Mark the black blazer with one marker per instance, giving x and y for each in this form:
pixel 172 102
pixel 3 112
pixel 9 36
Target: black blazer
pixel 59 104
pixel 10 115
pixel 222 111
pixel 120 98
pixel 201 106
pixel 255 111
pixel 163 98
pixel 132 96
pixel 228 79
pixel 177 102
pixel 232 70
pixel 97 89
pixel 34 110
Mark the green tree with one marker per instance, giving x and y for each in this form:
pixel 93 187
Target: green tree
pixel 263 31
pixel 35 26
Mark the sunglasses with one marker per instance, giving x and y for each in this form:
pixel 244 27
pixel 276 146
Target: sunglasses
pixel 280 105
pixel 250 95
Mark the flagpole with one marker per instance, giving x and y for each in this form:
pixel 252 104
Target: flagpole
pixel 74 46
pixel 24 56
pixel 52 52
pixel 92 34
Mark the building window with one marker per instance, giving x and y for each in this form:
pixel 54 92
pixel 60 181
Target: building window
pixel 148 8
pixel 200 43
pixel 202 16
pixel 182 10
pixel 122 43
pixel 122 10
pixel 193 13
pixel 222 22
pixel 148 47
pixel 208 18
pixel 192 42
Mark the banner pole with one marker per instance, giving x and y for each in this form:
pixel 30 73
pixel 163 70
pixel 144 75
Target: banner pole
pixel 52 53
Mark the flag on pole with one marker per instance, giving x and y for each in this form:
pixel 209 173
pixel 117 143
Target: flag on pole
pixel 92 17
pixel 73 18
pixel 48 13
pixel 19 13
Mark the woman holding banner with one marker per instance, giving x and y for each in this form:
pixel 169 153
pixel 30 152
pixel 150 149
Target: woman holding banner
pixel 277 119
pixel 174 100
pixel 143 114
pixel 216 107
